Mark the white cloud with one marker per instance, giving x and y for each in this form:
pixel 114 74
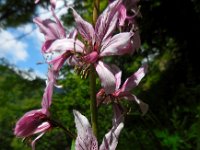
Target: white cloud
pixel 11 48
pixel 28 28
pixel 39 35
pixel 31 31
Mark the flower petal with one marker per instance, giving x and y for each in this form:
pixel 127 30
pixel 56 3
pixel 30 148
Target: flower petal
pixel 47 96
pixel 52 30
pixel 135 79
pixel 63 45
pixel 58 62
pixel 110 29
pixel 91 57
pixel 27 125
pixel 84 27
pixel 61 29
pixel 85 139
pixel 48 92
pixel 106 22
pixel 43 127
pixel 34 141
pixel 106 76
pixel 73 34
pixel 122 15
pixel 46 45
pixel 110 140
pixel 118 45
pixel 118 74
pixel 118 114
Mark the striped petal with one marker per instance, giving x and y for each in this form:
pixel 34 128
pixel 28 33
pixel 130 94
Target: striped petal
pixel 63 45
pixel 110 140
pixel 106 22
pixel 52 30
pixel 118 45
pixel 106 76
pixel 118 74
pixel 83 27
pixel 29 123
pixel 135 79
pixel 85 139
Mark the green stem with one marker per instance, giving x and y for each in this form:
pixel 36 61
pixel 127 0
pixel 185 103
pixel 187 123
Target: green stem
pixel 95 10
pixel 93 106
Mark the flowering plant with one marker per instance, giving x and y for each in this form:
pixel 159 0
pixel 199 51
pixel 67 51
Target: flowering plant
pixel 87 54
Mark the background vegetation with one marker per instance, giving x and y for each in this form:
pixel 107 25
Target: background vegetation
pixel 170 42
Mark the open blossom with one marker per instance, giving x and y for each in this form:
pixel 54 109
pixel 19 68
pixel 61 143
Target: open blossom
pixel 86 139
pixel 101 42
pixel 124 91
pixel 100 39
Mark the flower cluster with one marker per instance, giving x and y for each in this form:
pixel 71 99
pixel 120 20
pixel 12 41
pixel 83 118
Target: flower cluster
pixel 97 42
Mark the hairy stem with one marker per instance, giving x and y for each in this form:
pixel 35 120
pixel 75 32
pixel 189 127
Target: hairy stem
pixel 93 106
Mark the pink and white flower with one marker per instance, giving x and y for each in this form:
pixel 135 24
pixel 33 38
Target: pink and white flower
pixel 125 91
pixel 102 43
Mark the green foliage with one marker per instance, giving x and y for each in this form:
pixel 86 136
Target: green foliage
pixel 169 141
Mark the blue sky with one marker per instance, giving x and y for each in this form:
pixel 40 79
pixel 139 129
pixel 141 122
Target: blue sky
pixel 25 52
